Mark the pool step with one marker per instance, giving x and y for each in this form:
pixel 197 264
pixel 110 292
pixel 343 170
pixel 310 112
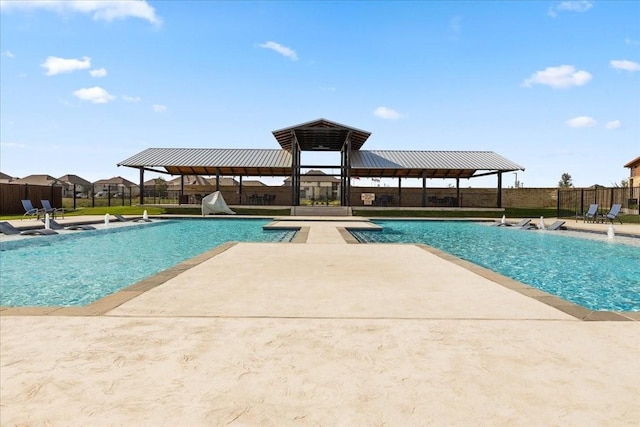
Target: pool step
pixel 321 211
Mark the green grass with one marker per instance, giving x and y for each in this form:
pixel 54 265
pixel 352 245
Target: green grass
pixel 509 212
pixel 395 213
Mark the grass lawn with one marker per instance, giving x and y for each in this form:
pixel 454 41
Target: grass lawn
pixel 394 213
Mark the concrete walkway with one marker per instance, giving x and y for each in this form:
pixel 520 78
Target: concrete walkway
pixel 322 333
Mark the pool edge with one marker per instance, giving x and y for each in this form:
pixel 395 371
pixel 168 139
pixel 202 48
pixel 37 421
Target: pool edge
pixel 570 308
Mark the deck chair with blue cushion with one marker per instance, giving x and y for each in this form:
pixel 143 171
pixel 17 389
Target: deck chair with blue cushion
pixel 29 210
pixel 613 213
pixel 8 229
pixel 590 215
pixel 46 206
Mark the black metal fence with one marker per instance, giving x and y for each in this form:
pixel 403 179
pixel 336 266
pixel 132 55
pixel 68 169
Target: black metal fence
pixel 110 195
pixel 573 201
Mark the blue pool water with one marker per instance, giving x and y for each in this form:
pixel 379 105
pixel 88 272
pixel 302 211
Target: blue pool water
pixel 592 271
pixel 81 267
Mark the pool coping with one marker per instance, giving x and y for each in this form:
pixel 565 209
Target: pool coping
pixel 109 302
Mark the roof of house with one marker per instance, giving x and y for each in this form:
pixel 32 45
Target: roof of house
pixel 38 180
pixel 116 180
pixel 315 176
pixel 633 163
pixel 75 179
pixel 253 183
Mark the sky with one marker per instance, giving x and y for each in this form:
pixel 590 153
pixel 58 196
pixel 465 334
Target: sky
pixel 551 85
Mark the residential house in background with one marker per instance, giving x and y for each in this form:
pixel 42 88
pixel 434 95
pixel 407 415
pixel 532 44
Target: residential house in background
pixel 5 179
pixel 317 186
pixel 73 184
pixel 634 172
pixel 115 187
pixel 253 183
pixel 45 180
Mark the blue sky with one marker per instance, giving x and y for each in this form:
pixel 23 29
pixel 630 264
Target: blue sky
pixel 551 85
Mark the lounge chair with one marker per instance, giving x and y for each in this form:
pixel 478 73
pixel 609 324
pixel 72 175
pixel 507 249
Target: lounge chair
pixel 46 206
pixel 123 219
pixel 613 213
pixel 55 225
pixel 555 226
pixel 29 210
pixel 8 229
pixel 523 223
pixel 590 215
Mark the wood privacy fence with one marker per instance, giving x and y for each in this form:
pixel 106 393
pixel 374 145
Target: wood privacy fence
pixel 11 196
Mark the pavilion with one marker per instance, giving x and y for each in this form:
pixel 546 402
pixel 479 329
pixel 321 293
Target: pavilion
pixel 323 135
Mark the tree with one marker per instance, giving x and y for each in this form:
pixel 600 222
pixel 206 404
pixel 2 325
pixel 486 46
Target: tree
pixel 160 187
pixel 623 184
pixel 565 181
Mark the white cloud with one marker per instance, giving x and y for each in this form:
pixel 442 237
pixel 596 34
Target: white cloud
pixel 98 72
pixel 95 94
pixel 55 65
pixel 563 76
pixel 282 50
pixel 12 145
pixel 623 64
pixel 8 54
pixel 581 122
pixel 102 10
pixel 632 42
pixel 159 108
pixel 386 113
pixel 578 6
pixel 613 124
pixel 128 98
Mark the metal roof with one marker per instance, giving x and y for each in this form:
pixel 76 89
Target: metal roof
pixel 379 163
pixel 320 135
pixel 209 161
pixel 429 164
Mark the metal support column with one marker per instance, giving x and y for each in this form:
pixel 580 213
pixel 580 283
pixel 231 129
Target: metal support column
pixel 141 186
pixel 347 171
pixel 182 188
pixel 499 201
pixel 424 188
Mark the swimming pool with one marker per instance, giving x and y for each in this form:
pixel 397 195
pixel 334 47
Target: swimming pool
pixel 78 268
pixel 584 268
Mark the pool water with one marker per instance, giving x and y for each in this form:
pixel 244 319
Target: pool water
pixel 81 267
pixel 584 268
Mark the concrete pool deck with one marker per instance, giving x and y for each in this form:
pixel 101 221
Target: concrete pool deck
pixel 319 333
